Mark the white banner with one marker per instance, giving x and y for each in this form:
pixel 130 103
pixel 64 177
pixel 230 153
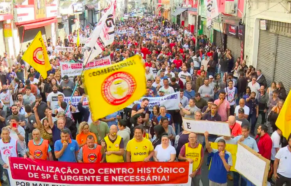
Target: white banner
pixel 171 101
pixel 103 34
pixel 68 49
pixel 211 11
pixel 75 100
pixel 212 127
pixel 75 69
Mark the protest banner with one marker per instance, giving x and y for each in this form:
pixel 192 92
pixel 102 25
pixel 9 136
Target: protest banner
pixel 30 172
pixel 212 127
pixel 66 49
pixel 232 149
pixel 171 101
pixel 252 165
pixel 75 69
pixel 75 100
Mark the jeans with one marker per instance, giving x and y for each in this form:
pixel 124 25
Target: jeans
pixel 253 120
pixel 238 180
pixel 222 74
pixel 177 128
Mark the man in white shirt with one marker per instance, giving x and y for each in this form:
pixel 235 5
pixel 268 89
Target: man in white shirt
pixel 282 168
pixel 255 86
pixel 6 96
pixel 242 105
pixel 52 98
pixel 32 79
pixel 166 88
pixel 183 74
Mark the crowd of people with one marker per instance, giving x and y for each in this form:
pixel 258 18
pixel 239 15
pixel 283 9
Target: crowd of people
pixel 37 123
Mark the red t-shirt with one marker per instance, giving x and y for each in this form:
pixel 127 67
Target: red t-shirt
pixel 235 130
pixel 178 63
pixel 145 52
pixel 148 64
pixel 265 145
pixel 172 45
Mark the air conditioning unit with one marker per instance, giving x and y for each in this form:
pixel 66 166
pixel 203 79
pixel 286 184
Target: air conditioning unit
pixel 229 7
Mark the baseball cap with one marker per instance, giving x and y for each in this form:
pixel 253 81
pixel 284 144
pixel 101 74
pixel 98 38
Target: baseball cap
pixel 65 77
pixel 241 110
pixel 210 77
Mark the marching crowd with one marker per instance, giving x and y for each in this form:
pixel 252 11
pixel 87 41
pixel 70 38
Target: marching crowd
pixel 37 123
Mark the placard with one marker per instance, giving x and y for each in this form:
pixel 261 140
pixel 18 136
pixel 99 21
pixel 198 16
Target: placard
pixel 212 127
pixel 252 165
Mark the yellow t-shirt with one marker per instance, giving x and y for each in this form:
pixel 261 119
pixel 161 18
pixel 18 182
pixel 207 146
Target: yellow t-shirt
pixel 139 150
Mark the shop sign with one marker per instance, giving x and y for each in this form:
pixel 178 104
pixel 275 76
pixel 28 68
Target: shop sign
pixel 263 24
pixel 7 30
pixel 40 9
pixel 78 7
pixel 232 30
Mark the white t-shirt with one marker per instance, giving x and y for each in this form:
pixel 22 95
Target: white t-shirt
pixel 164 155
pixel 255 88
pixel 276 138
pixel 7 97
pixel 284 168
pixel 14 135
pixel 246 109
pixel 53 99
pixel 167 91
pixel 182 75
pixel 35 81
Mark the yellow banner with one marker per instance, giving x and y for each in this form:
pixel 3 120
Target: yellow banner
pixel 232 149
pixel 114 87
pixel 283 121
pixel 36 55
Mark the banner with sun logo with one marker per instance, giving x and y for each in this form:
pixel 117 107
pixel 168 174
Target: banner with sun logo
pixel 114 87
pixel 36 56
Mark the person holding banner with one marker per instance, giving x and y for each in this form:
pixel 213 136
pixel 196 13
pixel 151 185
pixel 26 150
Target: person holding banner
pixel 39 148
pixel 139 149
pixel 114 146
pixel 220 163
pixel 193 152
pixel 91 152
pixel 66 149
pixel 9 147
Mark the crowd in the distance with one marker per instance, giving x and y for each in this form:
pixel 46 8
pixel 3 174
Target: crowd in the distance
pixel 37 123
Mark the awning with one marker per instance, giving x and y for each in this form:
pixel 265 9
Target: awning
pixel 179 11
pixel 39 24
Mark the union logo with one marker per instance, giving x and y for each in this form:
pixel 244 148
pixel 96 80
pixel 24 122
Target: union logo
pixel 38 56
pixel 38 154
pixel 118 88
pixel 92 158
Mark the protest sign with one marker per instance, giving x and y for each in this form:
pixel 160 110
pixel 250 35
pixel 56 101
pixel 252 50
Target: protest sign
pixel 75 69
pixel 232 149
pixel 252 165
pixel 212 127
pixel 171 101
pixel 75 100
pixel 29 172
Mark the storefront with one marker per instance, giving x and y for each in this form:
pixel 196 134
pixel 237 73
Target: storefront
pixel 273 51
pixel 32 18
pixel 6 29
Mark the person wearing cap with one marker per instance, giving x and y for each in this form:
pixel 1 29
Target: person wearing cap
pixel 40 106
pixel 211 81
pixel 28 97
pixel 193 152
pixel 241 119
pixel 67 86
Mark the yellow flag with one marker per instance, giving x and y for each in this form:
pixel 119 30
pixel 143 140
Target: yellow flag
pixel 114 87
pixel 232 149
pixel 36 56
pixel 78 39
pixel 283 121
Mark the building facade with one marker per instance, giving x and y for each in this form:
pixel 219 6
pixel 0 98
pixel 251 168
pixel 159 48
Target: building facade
pixel 268 39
